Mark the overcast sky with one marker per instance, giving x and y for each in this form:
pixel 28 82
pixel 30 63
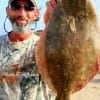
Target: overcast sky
pixel 41 4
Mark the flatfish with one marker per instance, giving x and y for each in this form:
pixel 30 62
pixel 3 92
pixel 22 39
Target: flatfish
pixel 66 53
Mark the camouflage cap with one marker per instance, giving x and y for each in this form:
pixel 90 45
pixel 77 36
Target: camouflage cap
pixel 33 1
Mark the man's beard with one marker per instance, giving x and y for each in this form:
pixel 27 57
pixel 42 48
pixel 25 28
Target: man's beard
pixel 20 28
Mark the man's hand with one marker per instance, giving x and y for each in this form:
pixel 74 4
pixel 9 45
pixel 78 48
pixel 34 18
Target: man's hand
pixel 50 5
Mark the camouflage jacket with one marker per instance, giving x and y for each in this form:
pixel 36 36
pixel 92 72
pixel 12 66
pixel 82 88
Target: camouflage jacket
pixel 19 77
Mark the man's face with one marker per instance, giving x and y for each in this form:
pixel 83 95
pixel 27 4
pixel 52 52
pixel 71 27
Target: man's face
pixel 22 14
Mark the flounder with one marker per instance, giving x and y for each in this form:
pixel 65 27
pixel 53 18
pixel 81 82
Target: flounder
pixel 66 53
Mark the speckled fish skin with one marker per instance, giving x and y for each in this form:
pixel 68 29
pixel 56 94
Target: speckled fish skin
pixel 66 51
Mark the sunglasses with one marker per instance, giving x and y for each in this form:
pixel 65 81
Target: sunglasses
pixel 17 6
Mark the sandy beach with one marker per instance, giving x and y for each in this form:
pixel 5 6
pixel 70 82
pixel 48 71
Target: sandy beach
pixel 90 92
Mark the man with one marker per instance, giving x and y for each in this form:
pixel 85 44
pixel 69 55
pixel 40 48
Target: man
pixel 19 78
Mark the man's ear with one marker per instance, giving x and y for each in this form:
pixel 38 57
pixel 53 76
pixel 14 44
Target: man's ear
pixel 7 11
pixel 36 15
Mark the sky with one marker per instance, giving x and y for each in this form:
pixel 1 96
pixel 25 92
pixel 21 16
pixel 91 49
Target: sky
pixel 40 24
